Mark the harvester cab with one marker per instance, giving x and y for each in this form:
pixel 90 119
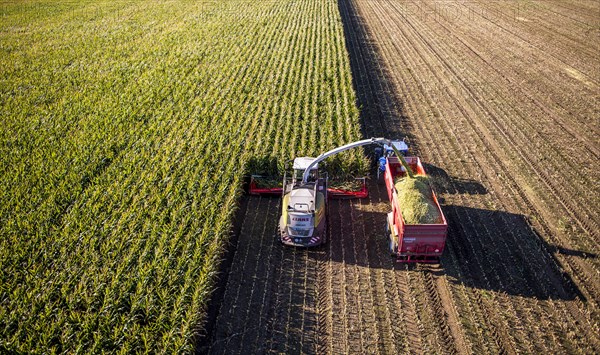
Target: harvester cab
pixel 300 164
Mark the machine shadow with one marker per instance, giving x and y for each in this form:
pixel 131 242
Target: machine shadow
pixel 268 165
pixel 500 251
pixel 488 250
pixel 454 185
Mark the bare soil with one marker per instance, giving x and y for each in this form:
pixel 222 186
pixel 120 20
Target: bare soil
pixel 502 100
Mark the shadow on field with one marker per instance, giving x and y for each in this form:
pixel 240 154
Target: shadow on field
pixel 217 294
pixel 381 110
pixel 500 251
pixel 488 250
pixel 454 185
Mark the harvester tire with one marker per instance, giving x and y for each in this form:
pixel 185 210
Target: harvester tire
pixel 325 235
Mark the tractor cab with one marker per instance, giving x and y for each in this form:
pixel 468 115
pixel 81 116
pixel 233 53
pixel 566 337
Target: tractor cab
pixel 400 146
pixel 382 153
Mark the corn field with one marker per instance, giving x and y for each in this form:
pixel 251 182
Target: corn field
pixel 126 130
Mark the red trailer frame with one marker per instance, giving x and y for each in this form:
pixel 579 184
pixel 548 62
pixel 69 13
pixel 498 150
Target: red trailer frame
pixel 412 242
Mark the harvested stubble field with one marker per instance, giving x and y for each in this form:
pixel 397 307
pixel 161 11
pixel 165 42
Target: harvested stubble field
pixel 127 127
pixel 502 100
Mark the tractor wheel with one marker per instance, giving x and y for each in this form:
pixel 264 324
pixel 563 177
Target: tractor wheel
pixel 392 244
pixel 393 247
